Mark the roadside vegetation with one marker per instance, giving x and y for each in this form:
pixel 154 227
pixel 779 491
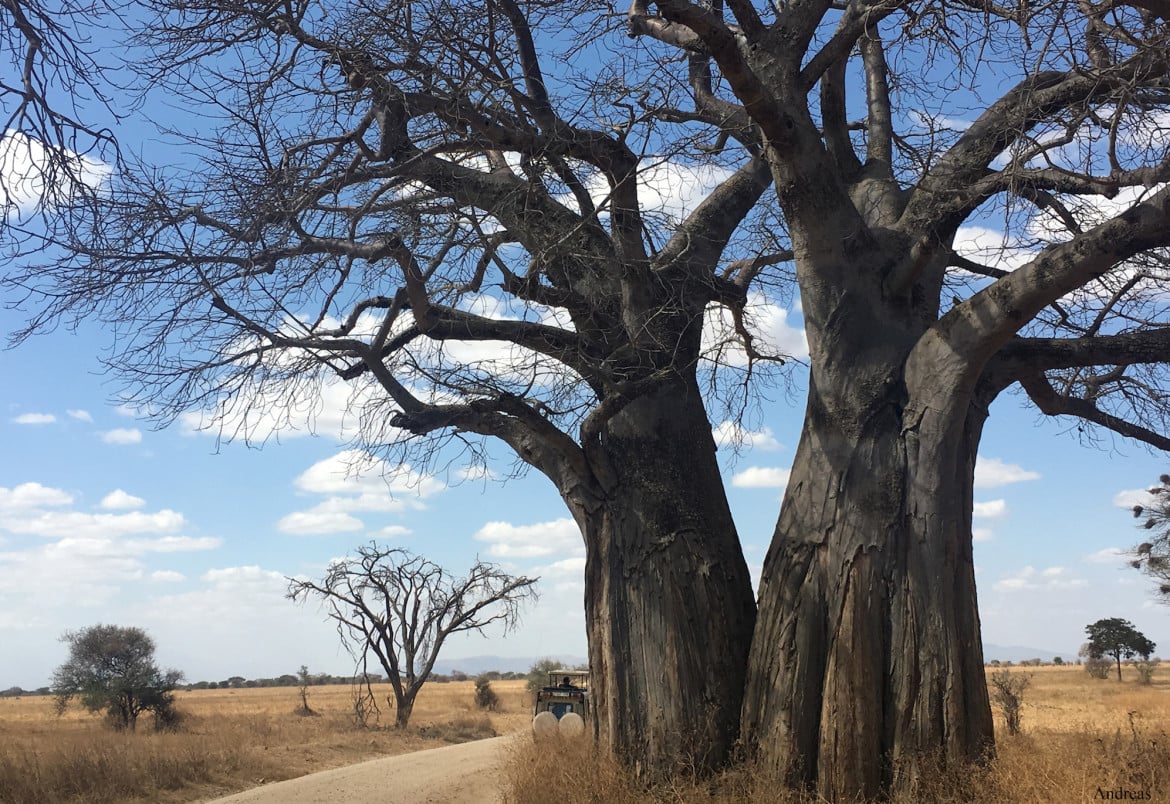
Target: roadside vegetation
pixel 1077 737
pixel 231 739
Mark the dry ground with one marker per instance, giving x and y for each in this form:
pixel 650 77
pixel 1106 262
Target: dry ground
pixel 1080 736
pixel 234 739
pixel 1083 740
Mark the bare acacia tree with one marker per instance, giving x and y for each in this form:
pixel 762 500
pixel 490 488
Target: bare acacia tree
pixel 444 205
pixel 400 608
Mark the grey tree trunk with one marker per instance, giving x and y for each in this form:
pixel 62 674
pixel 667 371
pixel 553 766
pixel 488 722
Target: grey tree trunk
pixel 668 597
pixel 867 665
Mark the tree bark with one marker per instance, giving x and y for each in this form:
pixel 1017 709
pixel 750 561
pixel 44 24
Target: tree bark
pixel 403 709
pixel 867 665
pixel 668 597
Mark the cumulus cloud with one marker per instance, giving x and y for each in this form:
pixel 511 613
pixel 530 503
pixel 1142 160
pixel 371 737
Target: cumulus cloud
pixel 354 472
pixel 991 473
pixel 315 523
pixel 767 321
pixel 122 435
pixel 1131 497
pixel 990 509
pixel 28 496
pixel 394 531
pixel 80 415
pixel 167 576
pixel 173 544
pixel 982 534
pixel 729 434
pixel 25 166
pixel 991 248
pixel 761 477
pixel 61 524
pixel 35 418
pixel 356 482
pixel 1029 578
pixel 1108 555
pixel 118 500
pixel 558 537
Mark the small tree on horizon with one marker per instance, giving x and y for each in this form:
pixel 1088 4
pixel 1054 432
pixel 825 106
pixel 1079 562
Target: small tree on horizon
pixel 1118 639
pixel 112 668
pixel 400 608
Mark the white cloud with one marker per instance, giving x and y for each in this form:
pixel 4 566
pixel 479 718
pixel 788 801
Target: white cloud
pixel 1131 497
pixel 729 434
pixel 764 319
pixel 394 531
pixel 991 248
pixel 35 418
pixel 167 576
pixel 559 537
pixel 761 477
pixel 122 435
pixel 25 164
pixel 80 415
pixel 992 472
pixel 28 496
pixel 118 500
pixel 173 544
pixel 313 523
pixel 990 509
pixel 63 524
pixel 356 482
pixel 1029 578
pixel 355 472
pixel 1108 555
pixel 982 534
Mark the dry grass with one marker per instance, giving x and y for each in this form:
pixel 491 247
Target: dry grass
pixel 232 740
pixel 1080 736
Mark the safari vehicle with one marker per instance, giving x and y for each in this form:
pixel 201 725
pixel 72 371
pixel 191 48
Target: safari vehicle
pixel 567 691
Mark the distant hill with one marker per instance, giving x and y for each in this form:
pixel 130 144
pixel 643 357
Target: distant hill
pixel 1018 653
pixel 474 665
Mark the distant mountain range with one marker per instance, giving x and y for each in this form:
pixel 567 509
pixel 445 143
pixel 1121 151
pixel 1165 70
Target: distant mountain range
pixel 474 665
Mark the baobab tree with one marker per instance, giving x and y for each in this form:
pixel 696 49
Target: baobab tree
pixel 394 189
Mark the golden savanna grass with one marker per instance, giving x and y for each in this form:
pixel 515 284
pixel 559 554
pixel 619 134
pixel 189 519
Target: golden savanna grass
pixel 230 740
pixel 1081 738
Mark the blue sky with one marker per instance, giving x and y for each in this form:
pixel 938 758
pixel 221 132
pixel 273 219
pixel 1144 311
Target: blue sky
pixel 103 519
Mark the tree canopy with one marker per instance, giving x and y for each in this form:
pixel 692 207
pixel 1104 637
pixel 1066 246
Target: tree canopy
pixel 1119 639
pixel 454 212
pixel 111 668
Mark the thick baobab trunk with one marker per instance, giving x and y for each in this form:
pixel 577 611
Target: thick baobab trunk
pixel 867 666
pixel 668 597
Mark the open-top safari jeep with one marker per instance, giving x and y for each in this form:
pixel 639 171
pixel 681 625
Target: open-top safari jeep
pixel 562 706
pixel 567 691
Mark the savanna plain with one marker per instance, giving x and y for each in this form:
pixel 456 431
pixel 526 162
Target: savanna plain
pixel 1082 739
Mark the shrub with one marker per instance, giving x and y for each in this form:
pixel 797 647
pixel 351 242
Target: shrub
pixel 1145 669
pixel 1007 691
pixel 485 696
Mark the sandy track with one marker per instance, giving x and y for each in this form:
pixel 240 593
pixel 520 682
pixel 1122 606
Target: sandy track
pixel 469 773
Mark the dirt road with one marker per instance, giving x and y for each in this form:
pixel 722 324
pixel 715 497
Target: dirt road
pixel 469 773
